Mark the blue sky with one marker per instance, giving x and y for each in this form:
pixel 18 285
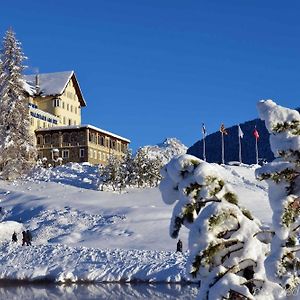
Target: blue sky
pixel 151 69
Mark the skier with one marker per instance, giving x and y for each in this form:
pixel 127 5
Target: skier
pixel 14 237
pixel 179 246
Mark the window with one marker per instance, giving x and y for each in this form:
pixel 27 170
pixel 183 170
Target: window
pixel 66 138
pixel 92 138
pixel 99 155
pixel 91 153
pixel 71 108
pixel 81 152
pixel 64 120
pixel 63 104
pixel 56 102
pixel 47 139
pixel 70 122
pixel 65 153
pixel 39 140
pixel 38 124
pixel 75 110
pixel 101 140
pixel 67 106
pixel 55 138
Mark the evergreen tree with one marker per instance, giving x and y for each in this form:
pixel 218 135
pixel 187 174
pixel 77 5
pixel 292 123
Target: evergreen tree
pixel 225 252
pixel 111 173
pixel 128 170
pixel 146 168
pixel 140 167
pixel 154 166
pixel 16 143
pixel 282 175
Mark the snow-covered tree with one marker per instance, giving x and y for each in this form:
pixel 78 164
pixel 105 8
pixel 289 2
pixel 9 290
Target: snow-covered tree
pixel 226 255
pixel 16 143
pixel 146 168
pixel 140 167
pixel 282 175
pixel 128 169
pixel 111 173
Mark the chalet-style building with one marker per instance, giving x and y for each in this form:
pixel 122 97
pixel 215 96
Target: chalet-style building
pixel 55 103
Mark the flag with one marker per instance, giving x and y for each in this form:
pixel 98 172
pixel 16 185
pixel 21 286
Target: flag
pixel 255 133
pixel 241 133
pixel 223 129
pixel 203 129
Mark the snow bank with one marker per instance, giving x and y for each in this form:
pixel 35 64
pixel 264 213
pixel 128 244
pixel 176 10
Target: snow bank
pixel 81 175
pixel 7 228
pixel 61 263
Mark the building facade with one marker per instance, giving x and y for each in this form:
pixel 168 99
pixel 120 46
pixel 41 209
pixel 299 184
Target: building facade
pixel 55 103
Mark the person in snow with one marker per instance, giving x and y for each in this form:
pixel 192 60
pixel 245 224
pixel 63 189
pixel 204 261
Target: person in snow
pixel 179 246
pixel 29 238
pixel 14 237
pixel 24 238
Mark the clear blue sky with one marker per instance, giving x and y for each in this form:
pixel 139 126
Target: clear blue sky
pixel 151 69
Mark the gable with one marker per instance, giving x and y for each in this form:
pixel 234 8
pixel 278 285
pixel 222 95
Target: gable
pixel 53 84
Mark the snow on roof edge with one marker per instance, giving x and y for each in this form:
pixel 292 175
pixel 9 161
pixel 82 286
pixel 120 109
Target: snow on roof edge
pixel 84 126
pixel 46 84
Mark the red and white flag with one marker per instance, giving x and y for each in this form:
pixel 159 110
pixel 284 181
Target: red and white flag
pixel 255 133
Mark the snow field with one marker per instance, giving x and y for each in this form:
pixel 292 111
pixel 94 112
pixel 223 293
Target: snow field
pixel 76 231
pixel 60 263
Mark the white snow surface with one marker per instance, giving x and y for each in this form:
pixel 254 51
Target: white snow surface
pixel 50 84
pixel 80 233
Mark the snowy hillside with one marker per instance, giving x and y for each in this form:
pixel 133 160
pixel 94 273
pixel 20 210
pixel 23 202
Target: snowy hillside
pixel 67 220
pixel 169 148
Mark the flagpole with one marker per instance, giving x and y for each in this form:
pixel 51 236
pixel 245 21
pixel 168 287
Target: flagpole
pixel 256 150
pixel 204 154
pixel 223 160
pixel 240 149
pixel 240 134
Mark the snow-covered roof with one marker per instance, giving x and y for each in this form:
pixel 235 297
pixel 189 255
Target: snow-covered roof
pixel 84 126
pixel 52 84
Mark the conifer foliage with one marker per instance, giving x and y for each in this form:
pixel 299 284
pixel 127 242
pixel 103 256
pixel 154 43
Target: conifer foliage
pixel 16 144
pixel 282 175
pixel 226 255
pixel 139 171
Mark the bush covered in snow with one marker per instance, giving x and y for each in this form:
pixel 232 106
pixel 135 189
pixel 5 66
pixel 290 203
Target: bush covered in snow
pixel 282 175
pixel 226 255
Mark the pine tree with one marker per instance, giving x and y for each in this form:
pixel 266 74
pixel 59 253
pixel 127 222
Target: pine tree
pixel 110 174
pixel 128 170
pixel 226 255
pixel 16 143
pixel 153 170
pixel 282 175
pixel 140 167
